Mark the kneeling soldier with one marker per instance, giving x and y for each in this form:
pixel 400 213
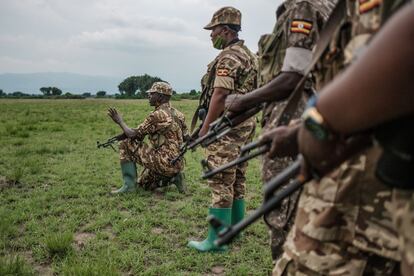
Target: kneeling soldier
pixel 165 128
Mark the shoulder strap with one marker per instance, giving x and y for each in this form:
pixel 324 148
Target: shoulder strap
pixel 210 78
pixel 331 25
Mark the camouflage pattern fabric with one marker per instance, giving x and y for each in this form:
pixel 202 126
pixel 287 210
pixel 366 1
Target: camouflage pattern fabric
pixel 234 69
pixel 231 183
pixel 225 15
pixel 161 87
pixel 165 129
pixel 343 224
pixel 403 218
pixel 297 27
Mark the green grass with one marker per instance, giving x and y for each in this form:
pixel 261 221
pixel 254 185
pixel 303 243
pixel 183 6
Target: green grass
pixel 15 265
pixel 55 204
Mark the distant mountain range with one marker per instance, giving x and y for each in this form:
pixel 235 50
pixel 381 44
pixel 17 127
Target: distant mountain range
pixel 67 82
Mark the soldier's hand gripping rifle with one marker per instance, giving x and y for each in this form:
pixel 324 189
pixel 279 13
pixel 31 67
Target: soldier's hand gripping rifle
pixel 111 141
pixel 295 181
pixel 190 139
pixel 222 126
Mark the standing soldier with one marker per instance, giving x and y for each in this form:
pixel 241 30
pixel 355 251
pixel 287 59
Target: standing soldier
pixel 343 225
pixel 233 71
pixel 166 129
pixel 284 55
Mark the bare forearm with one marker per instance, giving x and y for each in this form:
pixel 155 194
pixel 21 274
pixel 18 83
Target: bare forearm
pixel 380 86
pixel 276 90
pixel 215 109
pixel 129 132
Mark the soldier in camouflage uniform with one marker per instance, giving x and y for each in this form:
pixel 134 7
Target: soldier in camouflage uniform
pixel 233 71
pixel 385 108
pixel 343 224
pixel 284 56
pixel 165 128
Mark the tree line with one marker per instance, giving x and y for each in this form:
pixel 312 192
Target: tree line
pixel 133 87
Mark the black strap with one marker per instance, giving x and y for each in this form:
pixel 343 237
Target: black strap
pixel 331 25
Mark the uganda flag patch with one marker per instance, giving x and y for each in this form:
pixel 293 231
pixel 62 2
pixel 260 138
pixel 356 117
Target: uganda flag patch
pixel 222 72
pixel 367 5
pixel 301 26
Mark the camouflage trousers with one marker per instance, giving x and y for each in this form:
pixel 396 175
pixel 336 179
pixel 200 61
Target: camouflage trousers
pixel 280 220
pixel 231 183
pixel 403 218
pixel 343 225
pixel 155 162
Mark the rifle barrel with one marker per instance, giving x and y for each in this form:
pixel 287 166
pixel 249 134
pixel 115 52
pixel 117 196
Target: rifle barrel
pixel 275 183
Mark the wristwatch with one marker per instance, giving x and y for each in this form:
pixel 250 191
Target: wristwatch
pixel 314 121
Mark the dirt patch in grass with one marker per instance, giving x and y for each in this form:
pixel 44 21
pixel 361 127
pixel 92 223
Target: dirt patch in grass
pixel 43 269
pixel 82 238
pixel 217 270
pixel 157 230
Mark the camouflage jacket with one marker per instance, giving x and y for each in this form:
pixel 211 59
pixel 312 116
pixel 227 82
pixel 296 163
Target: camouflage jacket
pixel 165 128
pixel 349 204
pixel 235 69
pixel 289 47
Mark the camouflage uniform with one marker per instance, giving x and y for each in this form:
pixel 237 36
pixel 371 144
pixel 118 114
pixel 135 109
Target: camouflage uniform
pixel 403 218
pixel 234 69
pixel 287 49
pixel 165 128
pixel 343 224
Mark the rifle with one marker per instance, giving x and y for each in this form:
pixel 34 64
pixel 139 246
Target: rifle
pixel 230 232
pixel 184 147
pixel 111 141
pixel 353 145
pixel 222 126
pixel 245 155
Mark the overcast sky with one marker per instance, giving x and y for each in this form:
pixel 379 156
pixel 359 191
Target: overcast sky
pixel 120 38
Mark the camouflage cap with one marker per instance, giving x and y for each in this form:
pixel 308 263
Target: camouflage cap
pixel 225 15
pixel 161 87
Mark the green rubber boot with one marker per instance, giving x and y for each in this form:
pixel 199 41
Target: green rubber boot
pixel 223 214
pixel 237 212
pixel 178 180
pixel 129 175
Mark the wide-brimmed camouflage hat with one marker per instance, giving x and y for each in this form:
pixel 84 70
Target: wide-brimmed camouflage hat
pixel 225 15
pixel 161 87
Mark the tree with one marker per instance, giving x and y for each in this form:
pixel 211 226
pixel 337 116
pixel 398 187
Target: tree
pixel 46 90
pixel 2 93
pixel 193 92
pixel 132 84
pixel 87 94
pixel 56 91
pixel 101 93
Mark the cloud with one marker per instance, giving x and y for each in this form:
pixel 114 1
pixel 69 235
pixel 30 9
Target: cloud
pixel 120 37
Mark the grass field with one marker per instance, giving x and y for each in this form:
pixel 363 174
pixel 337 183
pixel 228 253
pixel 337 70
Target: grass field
pixel 57 216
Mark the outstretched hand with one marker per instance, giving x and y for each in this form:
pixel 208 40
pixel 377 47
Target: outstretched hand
pixel 114 115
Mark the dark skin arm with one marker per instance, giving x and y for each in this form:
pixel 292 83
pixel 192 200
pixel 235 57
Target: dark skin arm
pixel 276 90
pixel 117 118
pixel 377 88
pixel 215 109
